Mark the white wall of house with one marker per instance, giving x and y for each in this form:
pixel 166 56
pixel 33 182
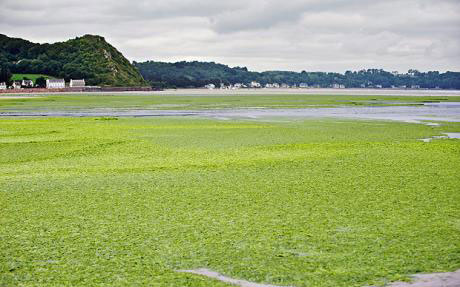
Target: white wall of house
pixel 16 85
pixel 55 84
pixel 77 83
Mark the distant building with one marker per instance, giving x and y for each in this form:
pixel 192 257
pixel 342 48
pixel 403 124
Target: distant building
pixel 272 86
pixel 303 85
pixel 239 86
pixel 77 83
pixel 210 86
pixel 285 86
pixel 255 84
pixel 17 84
pixel 27 84
pixel 55 83
pixel 338 86
pixel 3 86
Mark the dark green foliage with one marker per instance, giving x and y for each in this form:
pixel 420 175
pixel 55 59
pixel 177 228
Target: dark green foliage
pixel 192 74
pixel 5 74
pixel 88 57
pixel 198 74
pixel 40 82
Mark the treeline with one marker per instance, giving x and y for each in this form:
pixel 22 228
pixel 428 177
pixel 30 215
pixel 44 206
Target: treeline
pixel 88 57
pixel 197 74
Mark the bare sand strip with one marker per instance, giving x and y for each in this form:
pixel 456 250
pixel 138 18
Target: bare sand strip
pixel 313 91
pixel 220 277
pixel 264 91
pixel 18 97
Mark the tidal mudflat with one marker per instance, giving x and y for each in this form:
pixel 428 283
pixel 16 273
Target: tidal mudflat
pixel 290 201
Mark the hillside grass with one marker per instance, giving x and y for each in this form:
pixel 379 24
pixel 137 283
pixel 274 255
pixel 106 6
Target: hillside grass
pixel 126 202
pixel 193 102
pixel 33 77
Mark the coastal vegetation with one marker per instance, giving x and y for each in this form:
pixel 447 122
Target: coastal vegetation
pixel 89 57
pixel 198 74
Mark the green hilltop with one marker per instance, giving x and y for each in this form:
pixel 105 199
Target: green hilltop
pixel 89 57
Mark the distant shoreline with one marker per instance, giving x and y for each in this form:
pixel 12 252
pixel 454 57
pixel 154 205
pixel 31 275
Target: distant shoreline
pixel 262 91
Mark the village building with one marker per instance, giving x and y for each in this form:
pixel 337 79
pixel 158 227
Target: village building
pixel 303 85
pixel 27 84
pixel 55 83
pixel 210 86
pixel 17 84
pixel 3 86
pixel 77 83
pixel 255 84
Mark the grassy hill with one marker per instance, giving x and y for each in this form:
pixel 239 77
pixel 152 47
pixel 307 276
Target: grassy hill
pixel 89 57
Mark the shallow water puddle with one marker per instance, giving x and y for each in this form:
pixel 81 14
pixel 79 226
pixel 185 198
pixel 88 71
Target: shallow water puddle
pixel 453 135
pixel 447 136
pixel 215 275
pixel 449 279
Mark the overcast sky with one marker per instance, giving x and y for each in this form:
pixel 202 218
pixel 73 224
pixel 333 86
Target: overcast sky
pixel 312 35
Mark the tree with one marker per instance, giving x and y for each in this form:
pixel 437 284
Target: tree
pixel 5 75
pixel 40 82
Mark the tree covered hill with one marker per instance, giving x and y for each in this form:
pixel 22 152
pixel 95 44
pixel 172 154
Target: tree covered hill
pixel 198 74
pixel 88 57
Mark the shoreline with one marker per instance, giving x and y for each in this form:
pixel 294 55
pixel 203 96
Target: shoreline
pixel 262 91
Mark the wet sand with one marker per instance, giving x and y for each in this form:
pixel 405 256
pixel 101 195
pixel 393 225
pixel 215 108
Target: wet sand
pixel 428 114
pixel 263 91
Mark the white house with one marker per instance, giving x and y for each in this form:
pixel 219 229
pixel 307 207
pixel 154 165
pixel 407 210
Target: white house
pixel 17 84
pixel 210 86
pixel 303 85
pixel 255 84
pixel 27 83
pixel 338 86
pixel 285 86
pixel 3 86
pixel 77 83
pixel 55 83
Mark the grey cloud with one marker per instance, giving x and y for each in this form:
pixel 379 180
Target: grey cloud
pixel 330 35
